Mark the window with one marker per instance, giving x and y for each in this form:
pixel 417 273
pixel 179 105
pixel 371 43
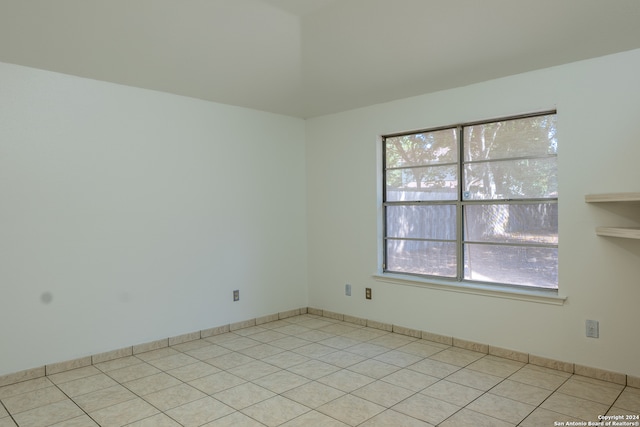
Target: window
pixel 475 202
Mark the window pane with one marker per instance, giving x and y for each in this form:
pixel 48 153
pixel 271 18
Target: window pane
pixel 422 222
pixel 511 179
pixel 428 183
pixel 515 265
pixel 422 148
pixel 419 257
pixel 521 223
pixel 531 136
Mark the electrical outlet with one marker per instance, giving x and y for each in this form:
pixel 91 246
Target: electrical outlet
pixel 592 327
pixel 367 293
pixel 236 295
pixel 347 290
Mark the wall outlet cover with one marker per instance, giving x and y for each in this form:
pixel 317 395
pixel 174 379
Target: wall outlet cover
pixel 592 327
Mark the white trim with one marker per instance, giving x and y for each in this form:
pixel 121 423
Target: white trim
pixel 533 295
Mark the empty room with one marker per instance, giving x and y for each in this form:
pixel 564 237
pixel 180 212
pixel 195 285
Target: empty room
pixel 319 213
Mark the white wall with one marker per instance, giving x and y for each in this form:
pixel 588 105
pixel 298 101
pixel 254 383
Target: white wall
pixel 139 212
pixel 598 104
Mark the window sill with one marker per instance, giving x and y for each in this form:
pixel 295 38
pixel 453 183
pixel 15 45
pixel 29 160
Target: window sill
pixel 533 295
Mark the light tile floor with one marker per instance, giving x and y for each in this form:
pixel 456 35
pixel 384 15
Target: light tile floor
pixel 312 371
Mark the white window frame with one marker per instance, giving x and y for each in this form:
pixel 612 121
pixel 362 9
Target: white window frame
pixel 459 282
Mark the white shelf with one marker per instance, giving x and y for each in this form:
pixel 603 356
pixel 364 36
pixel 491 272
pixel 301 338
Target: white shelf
pixel 625 233
pixel 613 198
pixel 622 232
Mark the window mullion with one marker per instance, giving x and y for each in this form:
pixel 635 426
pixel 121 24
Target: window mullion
pixel 459 210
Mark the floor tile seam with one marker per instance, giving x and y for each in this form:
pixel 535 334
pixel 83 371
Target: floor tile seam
pixel 479 413
pixel 421 392
pixel 315 410
pixel 238 350
pixel 12 419
pixel 398 366
pixel 318 378
pixel 37 406
pixel 368 357
pixel 138 378
pixel 560 415
pixel 246 415
pixel 224 403
pixel 484 392
pixel 406 388
pixel 58 381
pixel 124 367
pixel 413 393
pixel 176 367
pixel 49 383
pixel 547 371
pixel 290 349
pixel 287 368
pixel 398 412
pixel 457 370
pixel 141 396
pixel 162 411
pixel 340 421
pixel 453 364
pixel 366 375
pixel 438 352
pixel 233 367
pixel 552 390
pixel 183 382
pixel 75 403
pixel 633 411
pixel 146 418
pixel 167 415
pixel 490 391
pixel 479 389
pixel 609 406
pixel 356 345
pixel 606 384
pixel 9 415
pixel 553 393
pixel 595 401
pixel 306 406
pixel 488 373
pixel 135 394
pixel 87 378
pixel 431 397
pixel 503 397
pixel 277 395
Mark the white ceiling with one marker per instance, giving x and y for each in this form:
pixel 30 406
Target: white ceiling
pixel 309 57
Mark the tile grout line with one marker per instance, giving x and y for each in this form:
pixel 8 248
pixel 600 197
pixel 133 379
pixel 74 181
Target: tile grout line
pixel 75 403
pixel 484 392
pixel 9 413
pixel 547 398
